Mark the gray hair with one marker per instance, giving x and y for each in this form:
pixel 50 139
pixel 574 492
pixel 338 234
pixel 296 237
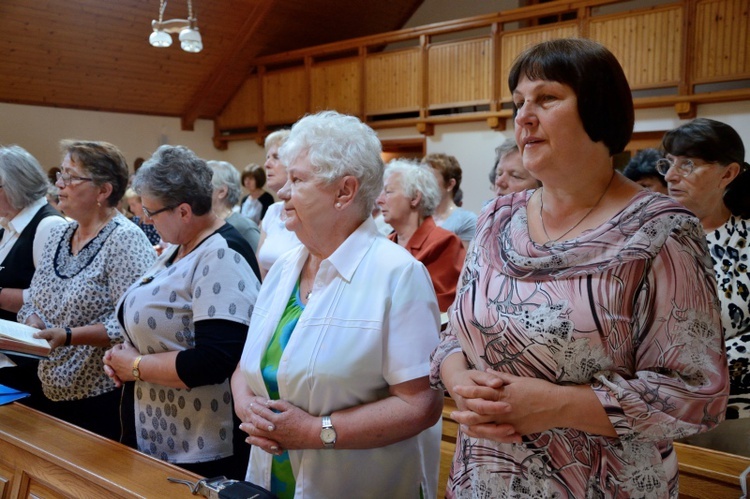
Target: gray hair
pixel 338 145
pixel 509 146
pixel 22 177
pixel 176 175
pixel 276 138
pixel 225 174
pixel 416 178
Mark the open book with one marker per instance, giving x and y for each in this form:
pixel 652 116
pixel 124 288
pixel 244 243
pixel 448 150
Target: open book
pixel 19 339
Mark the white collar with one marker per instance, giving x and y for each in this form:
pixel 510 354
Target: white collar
pixel 18 223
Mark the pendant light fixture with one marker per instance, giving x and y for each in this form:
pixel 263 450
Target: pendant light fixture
pixel 190 37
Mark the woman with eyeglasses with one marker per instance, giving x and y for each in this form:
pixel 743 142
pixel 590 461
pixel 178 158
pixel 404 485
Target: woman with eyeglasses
pixel 706 171
pixel 85 266
pixel 186 321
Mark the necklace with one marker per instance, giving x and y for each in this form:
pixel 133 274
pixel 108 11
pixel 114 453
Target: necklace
pixel 551 241
pixel 79 244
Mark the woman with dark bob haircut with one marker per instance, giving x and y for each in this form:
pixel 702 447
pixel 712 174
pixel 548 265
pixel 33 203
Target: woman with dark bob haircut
pixel 584 335
pixel 705 169
pixel 85 266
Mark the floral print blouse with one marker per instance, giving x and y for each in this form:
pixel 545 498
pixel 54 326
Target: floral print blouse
pixel 728 246
pixel 82 289
pixel 628 308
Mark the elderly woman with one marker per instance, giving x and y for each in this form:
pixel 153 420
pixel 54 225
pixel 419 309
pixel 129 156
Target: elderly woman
pixel 706 171
pixel 332 387
pixel 257 201
pixel 85 267
pixel 135 206
pixel 185 321
pixel 275 238
pixel 410 195
pixel 26 220
pixel 584 336
pixel 641 169
pixel 447 214
pixel 226 193
pixel 510 174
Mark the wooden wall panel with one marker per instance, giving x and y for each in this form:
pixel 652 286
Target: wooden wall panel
pixel 459 73
pixel 242 111
pixel 722 40
pixel 336 85
pixel 392 82
pixel 514 42
pixel 284 96
pixel 647 44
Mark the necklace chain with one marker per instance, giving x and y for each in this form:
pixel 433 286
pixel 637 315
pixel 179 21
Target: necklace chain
pixel 79 244
pixel 551 241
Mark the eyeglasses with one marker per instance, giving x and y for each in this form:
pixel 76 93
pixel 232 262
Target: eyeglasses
pixel 67 178
pixel 151 214
pixel 684 168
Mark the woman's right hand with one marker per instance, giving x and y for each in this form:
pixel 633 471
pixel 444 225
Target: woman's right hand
pixel 255 425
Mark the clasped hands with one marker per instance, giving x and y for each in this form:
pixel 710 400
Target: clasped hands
pixel 277 425
pixel 503 407
pixel 118 362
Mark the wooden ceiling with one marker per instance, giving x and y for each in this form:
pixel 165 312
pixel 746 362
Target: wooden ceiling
pixel 94 54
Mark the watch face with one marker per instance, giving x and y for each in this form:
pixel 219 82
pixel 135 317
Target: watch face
pixel 328 435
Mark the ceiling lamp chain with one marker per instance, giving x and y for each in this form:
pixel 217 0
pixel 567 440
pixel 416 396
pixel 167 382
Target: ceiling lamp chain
pixel 190 37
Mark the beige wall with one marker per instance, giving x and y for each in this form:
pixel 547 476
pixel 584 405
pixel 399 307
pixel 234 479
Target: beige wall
pixel 39 130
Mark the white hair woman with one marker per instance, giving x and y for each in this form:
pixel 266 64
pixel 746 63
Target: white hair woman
pixel 275 238
pixel 333 378
pixel 409 197
pixel 26 219
pixel 226 194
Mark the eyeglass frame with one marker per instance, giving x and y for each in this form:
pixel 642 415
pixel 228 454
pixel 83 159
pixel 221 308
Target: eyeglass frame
pixel 67 178
pixel 685 168
pixel 149 214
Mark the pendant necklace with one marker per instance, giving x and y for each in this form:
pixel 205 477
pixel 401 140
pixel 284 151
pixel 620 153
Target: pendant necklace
pixel 551 241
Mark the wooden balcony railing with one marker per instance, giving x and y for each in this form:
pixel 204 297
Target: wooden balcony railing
pixel 678 54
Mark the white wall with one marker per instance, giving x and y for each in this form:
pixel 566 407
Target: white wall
pixel 40 129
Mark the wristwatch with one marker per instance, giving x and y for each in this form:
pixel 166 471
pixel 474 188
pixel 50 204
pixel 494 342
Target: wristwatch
pixel 328 433
pixel 136 371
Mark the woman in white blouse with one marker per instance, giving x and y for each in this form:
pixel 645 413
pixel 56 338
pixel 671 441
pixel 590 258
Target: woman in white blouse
pixel 275 238
pixel 333 385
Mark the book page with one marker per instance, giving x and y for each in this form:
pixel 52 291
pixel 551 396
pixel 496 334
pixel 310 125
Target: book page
pixel 21 332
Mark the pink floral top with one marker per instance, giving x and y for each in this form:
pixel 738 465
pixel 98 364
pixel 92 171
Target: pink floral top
pixel 628 308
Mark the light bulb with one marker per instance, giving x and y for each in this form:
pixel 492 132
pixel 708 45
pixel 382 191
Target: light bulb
pixel 190 40
pixel 160 38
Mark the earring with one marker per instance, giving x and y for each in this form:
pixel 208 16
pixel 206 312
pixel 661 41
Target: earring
pixel 98 204
pixel 338 205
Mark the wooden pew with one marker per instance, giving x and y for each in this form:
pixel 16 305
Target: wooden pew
pixel 704 473
pixel 41 456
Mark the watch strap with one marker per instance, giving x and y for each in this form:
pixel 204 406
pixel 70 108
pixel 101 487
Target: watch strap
pixel 68 336
pixel 136 368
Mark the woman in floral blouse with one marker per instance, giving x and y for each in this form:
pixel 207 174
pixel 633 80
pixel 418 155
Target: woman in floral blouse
pixel 86 265
pixel 585 335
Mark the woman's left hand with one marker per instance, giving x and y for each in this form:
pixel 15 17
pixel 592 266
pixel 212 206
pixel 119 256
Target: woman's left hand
pixel 520 406
pixel 55 336
pixel 279 424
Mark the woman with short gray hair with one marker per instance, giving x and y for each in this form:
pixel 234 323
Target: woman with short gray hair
pixel 186 320
pixel 26 219
pixel 226 183
pixel 409 197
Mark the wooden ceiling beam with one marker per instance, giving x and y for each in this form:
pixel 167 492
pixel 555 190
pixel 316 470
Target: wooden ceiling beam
pixel 224 81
